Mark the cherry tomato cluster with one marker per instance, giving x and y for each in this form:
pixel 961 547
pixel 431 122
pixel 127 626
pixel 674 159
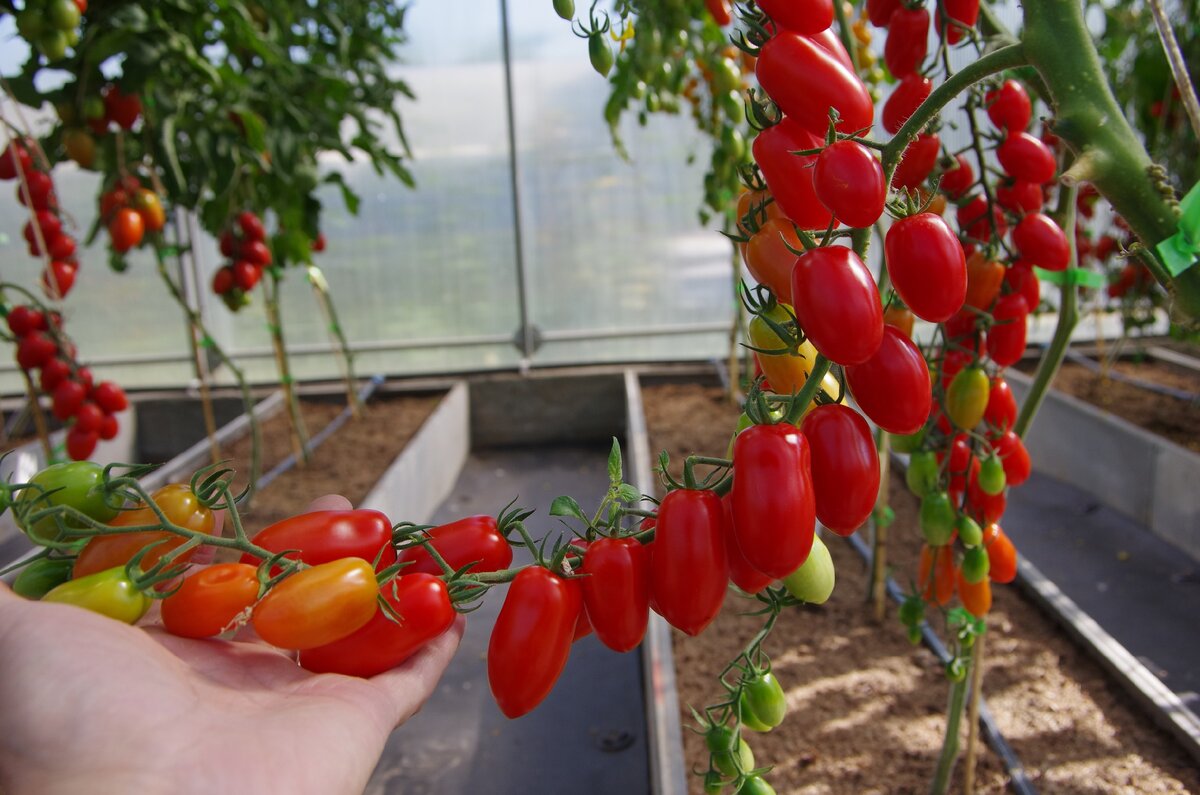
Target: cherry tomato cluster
pixel 130 211
pixel 90 408
pixel 244 243
pixel 51 26
pixel 44 232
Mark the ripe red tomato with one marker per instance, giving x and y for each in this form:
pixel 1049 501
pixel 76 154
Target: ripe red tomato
pixel 1006 339
pixel 182 508
pixel 909 93
pixel 68 397
pixel 1026 158
pixel 805 81
pixel 906 45
pixel 227 244
pixel 251 226
pixel 41 190
pixel 223 280
pixel 59 278
pixel 109 427
pixel 774 508
pixel 123 109
pixel 34 350
pixel 837 304
pixel 616 594
pixel 316 606
pixel 318 244
pixel 845 466
pixel 741 573
pixel 958 180
pixel 532 639
pixel 472 539
pixel 984 278
pixel 927 266
pixel 802 16
pixel 1009 107
pixel 893 387
pixel 790 176
pixel 324 536
pixel 973 220
pixel 1019 197
pixel 880 11
pixel 849 181
pixel 1001 411
pixel 81 444
pixel 246 275
pixel 15 156
pixel 917 162
pixel 965 12
pixel 1014 457
pixel 24 320
pixel 110 397
pixel 126 229
pixel 720 12
pixel 54 372
pixel 62 247
pixel 689 570
pixel 256 251
pixel 832 43
pixel 1040 241
pixel 423 604
pixel 89 417
pixel 1021 279
pixel 210 599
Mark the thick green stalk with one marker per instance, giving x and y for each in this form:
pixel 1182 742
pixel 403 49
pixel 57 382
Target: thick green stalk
pixel 1108 152
pixel 954 711
pixel 346 357
pixel 275 326
pixel 1068 316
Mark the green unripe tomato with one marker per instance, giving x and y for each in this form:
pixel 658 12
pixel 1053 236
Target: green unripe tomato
pixel 749 719
pixel 108 592
pixel 713 783
pixel 93 108
pixel 63 14
pixel 726 76
pixel 30 23
pixel 969 531
pixel 906 443
pixel 937 518
pixel 922 474
pixel 813 582
pixel 600 54
pixel 724 761
pixel 719 739
pixel 42 576
pixel 755 785
pixel 565 9
pixel 53 44
pixel 975 565
pixel 74 484
pixel 912 611
pixel 991 475
pixel 766 700
pixel 733 106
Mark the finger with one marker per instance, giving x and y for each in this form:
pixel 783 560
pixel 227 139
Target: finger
pixel 410 684
pixel 330 502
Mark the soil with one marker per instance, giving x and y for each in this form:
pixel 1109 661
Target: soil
pixel 866 708
pixel 1167 416
pixel 348 463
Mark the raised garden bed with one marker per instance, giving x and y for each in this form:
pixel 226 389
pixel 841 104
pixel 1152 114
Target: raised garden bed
pixel 866 708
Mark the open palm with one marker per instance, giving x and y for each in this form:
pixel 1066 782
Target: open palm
pixel 90 704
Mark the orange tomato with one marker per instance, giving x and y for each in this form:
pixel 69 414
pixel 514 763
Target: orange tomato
pixel 764 210
pixel 975 597
pixel 209 600
pixel 900 317
pixel 936 573
pixel 148 205
pixel 1002 555
pixel 984 278
pixel 182 508
pixel 318 605
pixel 126 229
pixel 768 259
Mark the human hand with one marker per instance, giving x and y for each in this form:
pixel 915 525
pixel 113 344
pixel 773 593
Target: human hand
pixel 91 704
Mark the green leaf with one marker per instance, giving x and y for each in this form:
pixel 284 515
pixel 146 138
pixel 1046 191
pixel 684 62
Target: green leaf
pixel 614 463
pixel 627 493
pixel 566 506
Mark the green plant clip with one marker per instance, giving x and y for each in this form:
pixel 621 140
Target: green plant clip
pixel 1080 277
pixel 1181 250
